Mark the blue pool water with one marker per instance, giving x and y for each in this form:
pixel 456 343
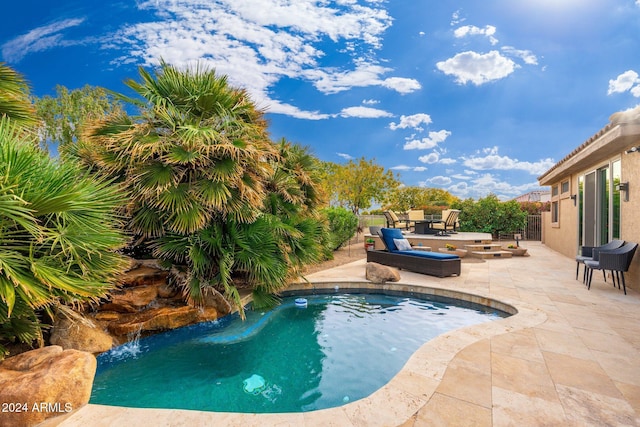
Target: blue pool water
pixel 338 349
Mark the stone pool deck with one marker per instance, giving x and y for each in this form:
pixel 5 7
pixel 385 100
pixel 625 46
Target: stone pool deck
pixel 569 357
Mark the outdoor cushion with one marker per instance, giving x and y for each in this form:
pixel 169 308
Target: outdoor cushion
pixel 430 255
pixel 402 244
pixel 388 234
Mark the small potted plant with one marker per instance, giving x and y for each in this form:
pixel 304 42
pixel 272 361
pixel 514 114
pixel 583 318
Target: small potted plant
pixel 516 250
pixel 369 244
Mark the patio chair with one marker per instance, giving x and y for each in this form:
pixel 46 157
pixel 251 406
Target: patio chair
pixel 616 260
pixel 587 253
pixel 449 222
pixel 394 222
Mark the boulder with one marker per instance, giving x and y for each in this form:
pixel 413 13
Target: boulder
pixel 207 314
pixel 143 276
pixel 80 335
pixel 44 383
pixel 213 298
pixel 131 300
pixel 167 291
pixel 378 273
pixel 155 319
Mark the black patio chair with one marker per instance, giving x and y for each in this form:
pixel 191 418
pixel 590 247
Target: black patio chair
pixel 616 260
pixel 586 253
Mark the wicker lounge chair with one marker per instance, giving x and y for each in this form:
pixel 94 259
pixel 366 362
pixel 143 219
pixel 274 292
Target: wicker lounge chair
pixel 431 263
pixel 616 260
pixel 587 254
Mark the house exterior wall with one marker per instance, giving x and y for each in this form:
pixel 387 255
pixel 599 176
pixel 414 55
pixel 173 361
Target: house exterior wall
pixel 617 141
pixel 630 215
pixel 563 235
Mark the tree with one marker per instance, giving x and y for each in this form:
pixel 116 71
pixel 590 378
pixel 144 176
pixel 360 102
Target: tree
pixel 489 215
pixel 357 185
pixel 64 115
pixel 14 97
pixel 410 197
pixel 209 191
pixel 58 233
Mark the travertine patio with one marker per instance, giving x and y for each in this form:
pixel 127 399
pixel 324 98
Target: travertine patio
pixel 569 357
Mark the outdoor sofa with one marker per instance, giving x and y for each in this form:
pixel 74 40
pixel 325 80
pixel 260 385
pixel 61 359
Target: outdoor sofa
pixel 431 263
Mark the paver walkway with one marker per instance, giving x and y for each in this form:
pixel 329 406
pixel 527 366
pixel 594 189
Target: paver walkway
pixel 569 357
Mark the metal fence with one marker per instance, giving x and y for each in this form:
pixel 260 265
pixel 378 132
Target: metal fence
pixel 531 231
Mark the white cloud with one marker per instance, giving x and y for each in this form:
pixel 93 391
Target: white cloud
pixel 526 55
pixel 414 121
pixel 431 141
pixel 430 158
pixel 472 30
pixel 439 180
pixel 401 85
pixel 461 177
pixel 627 81
pixel 364 112
pixel 364 75
pixel 485 184
pixel 39 39
pixel 447 161
pixel 477 68
pixel 370 101
pixel 257 43
pixel 409 168
pixel 456 19
pixel 494 161
pixel 345 156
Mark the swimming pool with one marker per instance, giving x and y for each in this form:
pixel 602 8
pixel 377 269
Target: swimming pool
pixel 340 348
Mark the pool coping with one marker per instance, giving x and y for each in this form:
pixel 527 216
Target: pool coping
pixel 398 400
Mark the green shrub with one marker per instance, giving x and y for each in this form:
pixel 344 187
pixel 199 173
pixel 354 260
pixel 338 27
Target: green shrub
pixel 490 215
pixel 343 224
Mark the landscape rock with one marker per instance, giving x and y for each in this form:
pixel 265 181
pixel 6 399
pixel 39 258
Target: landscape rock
pixel 80 335
pixel 167 291
pixel 44 383
pixel 131 300
pixel 143 276
pixel 378 273
pixel 213 298
pixel 155 319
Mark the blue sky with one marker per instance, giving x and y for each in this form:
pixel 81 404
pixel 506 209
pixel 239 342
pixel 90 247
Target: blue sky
pixel 475 97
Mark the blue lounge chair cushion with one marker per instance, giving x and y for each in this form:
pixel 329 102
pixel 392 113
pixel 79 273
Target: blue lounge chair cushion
pixel 388 234
pixel 430 255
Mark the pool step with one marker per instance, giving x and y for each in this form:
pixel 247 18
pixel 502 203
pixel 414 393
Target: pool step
pixel 486 254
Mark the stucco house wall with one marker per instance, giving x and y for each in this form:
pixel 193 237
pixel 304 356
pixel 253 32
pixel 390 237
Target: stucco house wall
pixel 618 140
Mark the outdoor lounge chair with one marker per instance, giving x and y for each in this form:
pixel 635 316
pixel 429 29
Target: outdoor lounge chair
pixel 616 260
pixel 587 254
pixel 449 222
pixel 432 263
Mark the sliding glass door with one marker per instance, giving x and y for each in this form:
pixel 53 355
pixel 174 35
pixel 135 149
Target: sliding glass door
pixel 599 213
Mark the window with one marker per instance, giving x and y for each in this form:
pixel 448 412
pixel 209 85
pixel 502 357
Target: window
pixel 564 187
pixel 554 211
pixel 554 190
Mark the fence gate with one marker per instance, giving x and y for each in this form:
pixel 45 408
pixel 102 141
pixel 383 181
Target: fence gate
pixel 533 229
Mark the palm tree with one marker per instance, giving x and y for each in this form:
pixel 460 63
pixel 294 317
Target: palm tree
pixel 197 152
pixel 14 97
pixel 197 161
pixel 58 233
